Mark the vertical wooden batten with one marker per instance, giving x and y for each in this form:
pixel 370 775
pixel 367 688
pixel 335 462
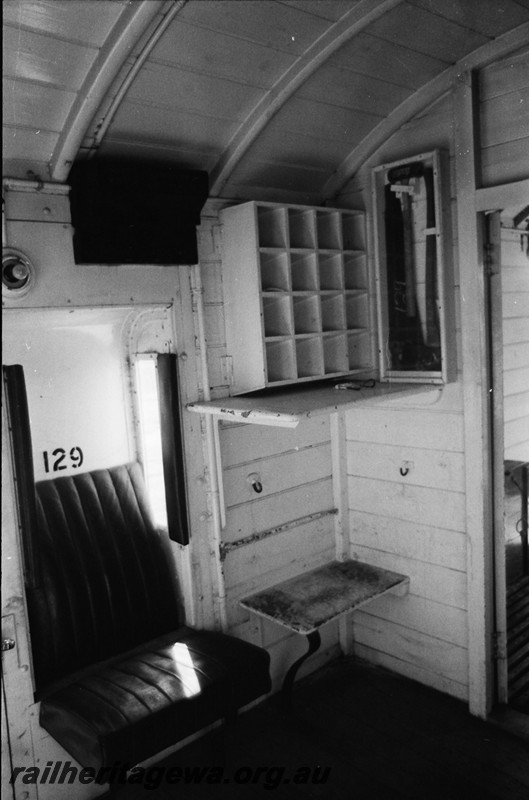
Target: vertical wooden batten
pixel 341 502
pixel 479 526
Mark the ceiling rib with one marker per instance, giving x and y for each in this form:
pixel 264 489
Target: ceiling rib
pixel 352 23
pixel 131 75
pixel 126 32
pixel 432 91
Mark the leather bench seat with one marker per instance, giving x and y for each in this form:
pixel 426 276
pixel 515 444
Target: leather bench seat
pixel 136 705
pixel 119 675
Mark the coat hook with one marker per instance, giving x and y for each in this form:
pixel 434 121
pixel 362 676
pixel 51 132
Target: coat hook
pixel 404 471
pixel 254 479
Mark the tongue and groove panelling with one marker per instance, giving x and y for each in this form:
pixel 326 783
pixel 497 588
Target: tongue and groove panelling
pixel 295 469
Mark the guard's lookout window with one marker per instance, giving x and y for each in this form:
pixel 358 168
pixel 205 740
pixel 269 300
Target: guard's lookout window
pixel 150 434
pixel 162 448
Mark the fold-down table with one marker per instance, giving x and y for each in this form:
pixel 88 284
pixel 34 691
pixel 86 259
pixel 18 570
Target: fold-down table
pixel 306 602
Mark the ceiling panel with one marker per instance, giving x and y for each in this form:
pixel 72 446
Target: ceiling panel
pixel 415 28
pixel 300 149
pixel 328 9
pixel 265 22
pixel 159 85
pixel 33 57
pixel 34 105
pixel 221 55
pixel 302 184
pixel 396 64
pixel 31 147
pixel 174 128
pixel 82 21
pixel 494 17
pixel 341 87
pixel 323 121
pixel 220 88
pixel 144 151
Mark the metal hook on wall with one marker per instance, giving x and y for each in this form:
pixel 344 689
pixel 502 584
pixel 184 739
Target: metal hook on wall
pixel 406 467
pixel 254 479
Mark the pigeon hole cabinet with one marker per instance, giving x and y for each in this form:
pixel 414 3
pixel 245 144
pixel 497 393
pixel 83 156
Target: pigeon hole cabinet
pixel 296 294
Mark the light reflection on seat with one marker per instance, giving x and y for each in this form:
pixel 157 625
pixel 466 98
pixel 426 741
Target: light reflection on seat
pixel 183 666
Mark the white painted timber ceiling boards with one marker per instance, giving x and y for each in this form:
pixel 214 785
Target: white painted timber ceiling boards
pixel 410 26
pixel 49 48
pixel 494 18
pixel 397 64
pixel 33 58
pixel 75 21
pixel 266 22
pixel 274 98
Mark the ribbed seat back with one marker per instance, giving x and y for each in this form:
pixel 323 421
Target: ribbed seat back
pixel 106 583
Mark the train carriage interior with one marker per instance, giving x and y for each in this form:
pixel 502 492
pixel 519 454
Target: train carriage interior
pixel 265 399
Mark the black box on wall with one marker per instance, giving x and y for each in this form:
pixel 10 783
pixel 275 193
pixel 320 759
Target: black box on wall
pixel 133 212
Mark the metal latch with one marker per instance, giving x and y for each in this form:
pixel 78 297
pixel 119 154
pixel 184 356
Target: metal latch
pixel 8 644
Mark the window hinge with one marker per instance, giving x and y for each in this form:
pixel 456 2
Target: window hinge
pixel 226 365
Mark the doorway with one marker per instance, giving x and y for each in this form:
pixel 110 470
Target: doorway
pixel 509 312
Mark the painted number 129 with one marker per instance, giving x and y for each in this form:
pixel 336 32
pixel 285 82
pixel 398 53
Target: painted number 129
pixel 60 459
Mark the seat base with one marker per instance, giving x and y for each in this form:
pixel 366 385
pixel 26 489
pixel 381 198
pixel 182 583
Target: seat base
pixel 138 704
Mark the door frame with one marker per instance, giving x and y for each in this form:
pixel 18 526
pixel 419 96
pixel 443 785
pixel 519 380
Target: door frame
pixel 490 202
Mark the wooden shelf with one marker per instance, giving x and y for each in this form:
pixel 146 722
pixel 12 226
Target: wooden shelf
pixel 286 408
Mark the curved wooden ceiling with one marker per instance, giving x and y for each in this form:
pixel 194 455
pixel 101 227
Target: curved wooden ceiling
pixel 276 99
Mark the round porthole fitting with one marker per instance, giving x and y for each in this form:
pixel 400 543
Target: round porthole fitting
pixel 18 272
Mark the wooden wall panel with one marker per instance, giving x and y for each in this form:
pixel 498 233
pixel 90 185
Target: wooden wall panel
pixel 443 585
pixel 414 524
pixel 277 474
pixel 295 468
pixel 419 540
pixel 412 670
pixel 504 112
pixel 407 502
pixel 260 515
pixel 424 659
pixel 439 469
pixel 405 428
pixel 241 443
pixel 408 644
pixel 278 557
pixel 448 624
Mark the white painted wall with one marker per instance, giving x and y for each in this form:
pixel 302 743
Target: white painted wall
pixel 75 364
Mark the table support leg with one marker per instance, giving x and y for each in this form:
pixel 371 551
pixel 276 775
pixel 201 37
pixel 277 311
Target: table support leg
pixel 314 641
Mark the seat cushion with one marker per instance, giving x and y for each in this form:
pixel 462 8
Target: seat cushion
pixel 136 705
